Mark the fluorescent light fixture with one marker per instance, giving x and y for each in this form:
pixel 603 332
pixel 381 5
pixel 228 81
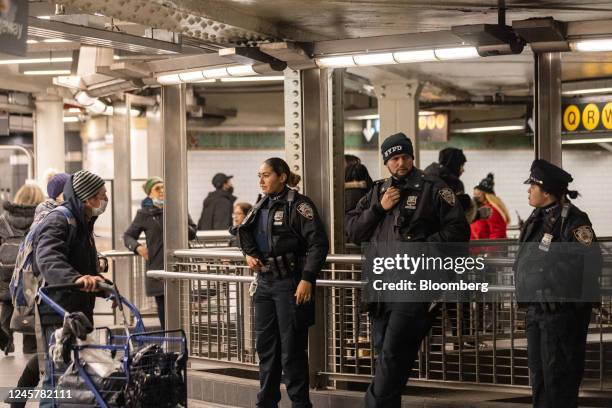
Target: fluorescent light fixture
pixel 585 141
pixel 56 40
pixel 368 114
pixel 36 60
pixel 44 17
pixel 489 129
pixel 191 76
pixel 48 72
pixel 414 56
pixel 215 73
pixel 241 70
pixel 335 62
pixel 207 75
pixel 70 119
pixel 74 110
pixel 456 53
pixel 170 79
pixel 592 45
pixel 254 79
pixel 31 42
pixel 205 81
pixel 588 91
pixel 374 59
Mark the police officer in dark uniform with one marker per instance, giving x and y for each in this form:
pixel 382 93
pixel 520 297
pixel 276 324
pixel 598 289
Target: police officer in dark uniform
pixel 556 276
pixel 409 206
pixel 285 242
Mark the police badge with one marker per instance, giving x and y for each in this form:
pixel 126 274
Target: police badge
pixel 584 235
pixel 306 210
pixel 448 196
pixel 411 202
pixel 278 217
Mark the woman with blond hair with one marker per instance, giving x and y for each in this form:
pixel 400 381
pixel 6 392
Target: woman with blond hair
pixel 14 225
pixel 494 226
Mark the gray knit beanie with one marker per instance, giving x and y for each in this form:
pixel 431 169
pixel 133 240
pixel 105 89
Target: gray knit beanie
pixel 86 184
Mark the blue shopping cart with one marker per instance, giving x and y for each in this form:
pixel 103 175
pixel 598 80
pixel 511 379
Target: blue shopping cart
pixel 150 367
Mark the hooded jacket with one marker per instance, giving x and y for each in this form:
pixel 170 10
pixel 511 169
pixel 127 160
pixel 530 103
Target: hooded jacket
pixel 217 211
pixel 60 261
pixel 150 220
pixel 14 223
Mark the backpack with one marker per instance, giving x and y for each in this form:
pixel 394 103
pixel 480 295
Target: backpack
pixel 25 282
pixel 8 254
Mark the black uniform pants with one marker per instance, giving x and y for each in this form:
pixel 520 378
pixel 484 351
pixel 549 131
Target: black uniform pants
pixel 281 342
pixel 397 332
pixel 556 344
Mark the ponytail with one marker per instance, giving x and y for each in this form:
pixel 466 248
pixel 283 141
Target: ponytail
pixel 279 166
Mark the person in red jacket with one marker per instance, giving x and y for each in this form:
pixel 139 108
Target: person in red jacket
pixel 494 226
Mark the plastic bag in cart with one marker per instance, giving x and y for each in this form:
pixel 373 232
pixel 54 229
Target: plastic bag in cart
pixel 157 378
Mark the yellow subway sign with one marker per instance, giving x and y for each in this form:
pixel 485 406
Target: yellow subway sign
pixel 587 117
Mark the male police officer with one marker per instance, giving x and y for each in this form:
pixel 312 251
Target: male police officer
pixel 556 273
pixel 407 207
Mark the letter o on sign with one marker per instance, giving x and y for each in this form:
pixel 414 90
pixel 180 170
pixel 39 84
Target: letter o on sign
pixel 590 116
pixel 571 118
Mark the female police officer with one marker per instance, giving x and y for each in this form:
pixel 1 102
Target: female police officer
pixel 284 241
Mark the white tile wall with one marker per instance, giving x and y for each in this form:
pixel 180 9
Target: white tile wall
pixel 591 171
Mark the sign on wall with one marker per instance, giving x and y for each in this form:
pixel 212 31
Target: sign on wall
pixel 587 117
pixel 13 26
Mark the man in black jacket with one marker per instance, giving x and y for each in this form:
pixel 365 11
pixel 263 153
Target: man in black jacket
pixel 556 276
pixel 407 207
pixel 65 256
pixel 218 206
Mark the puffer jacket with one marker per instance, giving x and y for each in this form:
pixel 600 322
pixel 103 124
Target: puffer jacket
pixel 14 224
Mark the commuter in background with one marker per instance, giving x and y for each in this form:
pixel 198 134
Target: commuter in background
pixel 217 206
pixel 556 274
pixel 55 193
pixel 150 220
pixel 55 187
pixel 14 225
pixel 284 241
pixel 240 212
pixel 357 182
pixel 494 226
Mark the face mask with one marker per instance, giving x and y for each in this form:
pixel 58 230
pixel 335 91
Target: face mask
pixel 98 211
pixel 158 202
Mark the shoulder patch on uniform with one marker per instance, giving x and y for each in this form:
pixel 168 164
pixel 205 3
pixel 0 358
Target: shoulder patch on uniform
pixel 447 195
pixel 584 235
pixel 306 211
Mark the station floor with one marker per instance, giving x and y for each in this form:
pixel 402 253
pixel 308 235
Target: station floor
pixel 420 395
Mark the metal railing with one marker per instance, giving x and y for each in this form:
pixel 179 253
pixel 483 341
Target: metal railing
pixel 470 342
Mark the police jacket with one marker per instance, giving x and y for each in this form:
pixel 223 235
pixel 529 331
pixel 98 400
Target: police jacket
pixel 294 231
pixel 559 258
pixel 427 212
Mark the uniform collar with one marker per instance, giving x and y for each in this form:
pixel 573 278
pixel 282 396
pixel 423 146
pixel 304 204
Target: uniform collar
pixel 414 179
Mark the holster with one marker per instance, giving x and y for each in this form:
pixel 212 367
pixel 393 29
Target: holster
pixel 282 266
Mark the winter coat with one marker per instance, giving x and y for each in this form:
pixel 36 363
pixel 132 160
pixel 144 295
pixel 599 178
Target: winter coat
pixel 427 212
pixel 353 191
pixel 217 211
pixel 493 227
pixel 60 261
pixel 14 224
pixel 150 220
